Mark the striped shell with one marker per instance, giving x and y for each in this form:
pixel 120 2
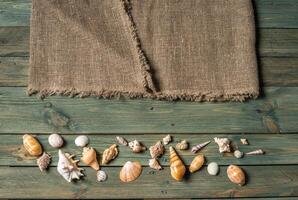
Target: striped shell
pixel 130 171
pixel 236 175
pixel 32 146
pixel 176 165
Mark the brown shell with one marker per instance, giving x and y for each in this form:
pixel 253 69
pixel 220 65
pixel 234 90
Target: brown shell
pixel 197 163
pixel 89 157
pixel 32 146
pixel 157 150
pixel 109 154
pixel 176 165
pixel 236 175
pixel 130 171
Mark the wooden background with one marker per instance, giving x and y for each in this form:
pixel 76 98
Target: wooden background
pixel 270 123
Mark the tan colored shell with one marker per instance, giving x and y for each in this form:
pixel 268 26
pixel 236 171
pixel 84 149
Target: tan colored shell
pixel 136 146
pixel 176 165
pixel 197 163
pixel 32 145
pixel 166 140
pixel 110 154
pixel 183 145
pixel 157 150
pixel 130 171
pixel 154 164
pixel 223 144
pixel 236 175
pixel 44 161
pixel 244 141
pixel 121 140
pixel 89 157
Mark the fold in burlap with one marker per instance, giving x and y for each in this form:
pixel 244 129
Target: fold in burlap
pixel 196 50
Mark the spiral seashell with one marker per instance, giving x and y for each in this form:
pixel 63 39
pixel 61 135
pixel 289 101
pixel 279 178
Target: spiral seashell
pixel 101 176
pixel 198 147
pixel 32 145
pixel 223 144
pixel 130 171
pixel 236 175
pixel 55 140
pixel 238 154
pixel 244 141
pixel 121 140
pixel 154 164
pixel 44 161
pixel 136 146
pixel 89 157
pixel 157 150
pixel 110 154
pixel 176 165
pixel 166 140
pixel 197 163
pixel 81 141
pixel 183 145
pixel 256 152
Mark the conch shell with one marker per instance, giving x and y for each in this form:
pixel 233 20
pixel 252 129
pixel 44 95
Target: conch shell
pixel 176 165
pixel 130 171
pixel 44 161
pixel 157 150
pixel 89 157
pixel 110 154
pixel 198 147
pixel 121 140
pixel 223 144
pixel 154 164
pixel 183 145
pixel 166 140
pixel 256 152
pixel 32 146
pixel 136 146
pixel 236 175
pixel 68 168
pixel 197 163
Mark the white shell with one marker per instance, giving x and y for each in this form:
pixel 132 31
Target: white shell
pixel 223 144
pixel 44 161
pixel 55 140
pixel 101 176
pixel 238 154
pixel 82 141
pixel 121 140
pixel 166 140
pixel 154 164
pixel 244 141
pixel 213 168
pixel 256 152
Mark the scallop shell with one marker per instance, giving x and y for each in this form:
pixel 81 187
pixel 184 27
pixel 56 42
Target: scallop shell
pixel 256 152
pixel 154 164
pixel 183 145
pixel 244 141
pixel 55 140
pixel 130 171
pixel 213 168
pixel 68 168
pixel 81 141
pixel 238 154
pixel 198 147
pixel 109 154
pixel 89 157
pixel 223 144
pixel 101 176
pixel 176 165
pixel 157 150
pixel 44 161
pixel 121 140
pixel 197 163
pixel 236 175
pixel 136 146
pixel 32 146
pixel 166 140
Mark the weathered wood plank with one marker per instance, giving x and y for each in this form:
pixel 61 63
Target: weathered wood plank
pixel 274 113
pixel 263 181
pixel 280 149
pixel 13 71
pixel 270 13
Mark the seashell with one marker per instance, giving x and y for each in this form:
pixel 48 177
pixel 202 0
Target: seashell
pixel 68 168
pixel 198 147
pixel 223 144
pixel 81 141
pixel 121 140
pixel 130 171
pixel 44 161
pixel 110 154
pixel 244 141
pixel 213 168
pixel 166 140
pixel 101 176
pixel 256 152
pixel 176 165
pixel 136 146
pixel 183 145
pixel 157 150
pixel 238 154
pixel 236 175
pixel 32 146
pixel 197 163
pixel 154 164
pixel 55 140
pixel 89 157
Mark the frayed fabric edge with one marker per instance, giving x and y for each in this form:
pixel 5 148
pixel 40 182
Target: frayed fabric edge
pixel 237 96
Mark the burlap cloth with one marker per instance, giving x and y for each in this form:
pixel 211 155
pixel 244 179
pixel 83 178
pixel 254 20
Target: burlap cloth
pixel 196 50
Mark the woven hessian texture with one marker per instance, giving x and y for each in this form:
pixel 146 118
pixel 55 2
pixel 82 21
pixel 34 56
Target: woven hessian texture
pixel 194 50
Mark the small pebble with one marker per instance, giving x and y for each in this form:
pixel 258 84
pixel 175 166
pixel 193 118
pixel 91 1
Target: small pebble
pixel 238 154
pixel 81 141
pixel 213 168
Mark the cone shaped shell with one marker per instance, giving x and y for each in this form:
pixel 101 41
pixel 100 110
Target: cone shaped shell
pixel 236 175
pixel 89 158
pixel 176 165
pixel 197 163
pixel 130 171
pixel 32 146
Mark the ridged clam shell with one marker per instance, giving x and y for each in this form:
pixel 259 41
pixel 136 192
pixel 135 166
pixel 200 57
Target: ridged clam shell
pixel 130 171
pixel 89 158
pixel 109 154
pixel 236 175
pixel 44 161
pixel 154 164
pixel 223 144
pixel 55 140
pixel 121 140
pixel 177 167
pixel 197 163
pixel 32 145
pixel 157 150
pixel 81 141
pixel 183 145
pixel 166 140
pixel 101 176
